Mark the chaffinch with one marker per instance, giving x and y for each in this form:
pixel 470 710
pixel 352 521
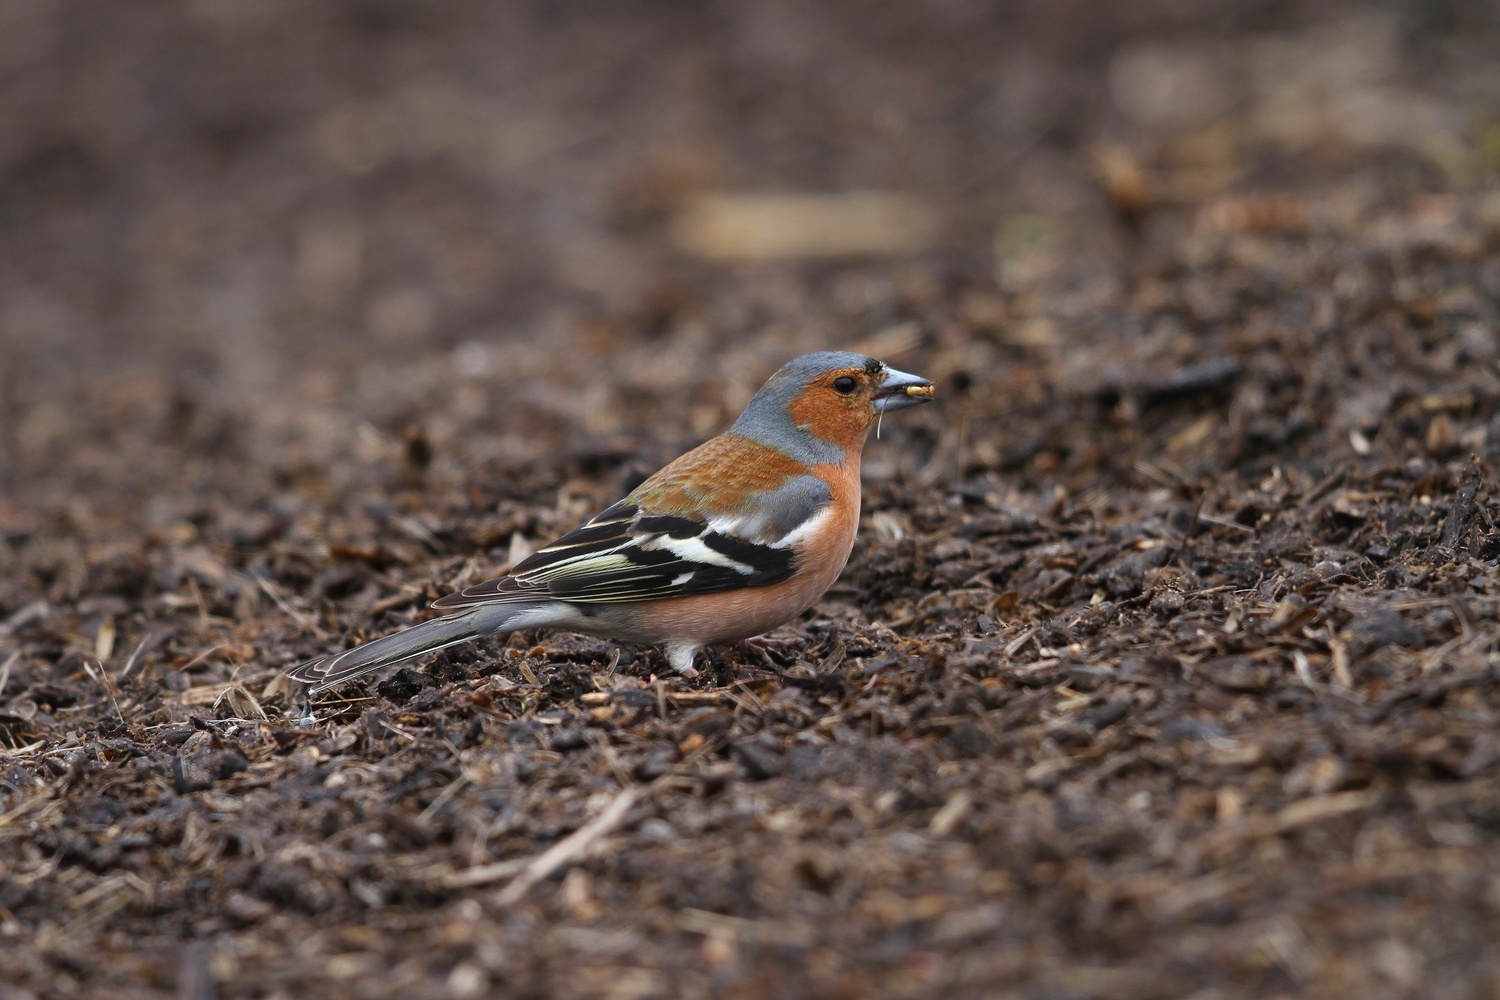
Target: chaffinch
pixel 739 535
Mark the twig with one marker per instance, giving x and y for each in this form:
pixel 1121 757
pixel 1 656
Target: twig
pixel 305 620
pixel 1019 642
pixel 30 613
pixel 771 932
pixel 148 642
pixel 681 699
pixel 210 651
pixel 1224 522
pixel 572 846
pixel 5 670
pixel 450 790
pixel 102 678
pixel 475 875
pixel 16 812
pixel 1187 536
pixel 418 531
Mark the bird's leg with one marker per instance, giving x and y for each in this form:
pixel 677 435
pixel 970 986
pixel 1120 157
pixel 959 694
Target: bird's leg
pixel 681 658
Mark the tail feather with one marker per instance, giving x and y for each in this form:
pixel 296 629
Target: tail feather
pixel 427 637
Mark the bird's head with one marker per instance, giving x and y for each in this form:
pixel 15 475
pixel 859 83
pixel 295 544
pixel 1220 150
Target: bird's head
pixel 827 402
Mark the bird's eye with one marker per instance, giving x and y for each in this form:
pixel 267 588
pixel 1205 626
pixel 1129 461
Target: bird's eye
pixel 845 385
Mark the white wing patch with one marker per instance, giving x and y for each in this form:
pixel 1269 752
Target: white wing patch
pixel 732 526
pixel 694 551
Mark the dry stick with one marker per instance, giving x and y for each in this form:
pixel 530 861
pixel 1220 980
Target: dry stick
pixel 16 812
pixel 418 531
pixel 679 699
pixel 102 678
pixel 30 613
pixel 5 670
pixel 449 790
pixel 190 664
pixel 570 847
pixel 470 877
pixel 601 743
pixel 148 642
pixel 304 620
pixel 1187 535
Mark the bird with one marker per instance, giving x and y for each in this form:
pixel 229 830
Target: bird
pixel 736 537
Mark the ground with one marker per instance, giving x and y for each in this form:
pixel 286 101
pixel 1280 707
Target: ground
pixel 1166 664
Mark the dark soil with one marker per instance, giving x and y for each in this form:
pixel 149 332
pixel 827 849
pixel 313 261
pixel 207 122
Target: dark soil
pixel 1166 665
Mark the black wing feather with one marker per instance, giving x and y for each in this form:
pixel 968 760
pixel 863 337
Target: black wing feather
pixel 623 554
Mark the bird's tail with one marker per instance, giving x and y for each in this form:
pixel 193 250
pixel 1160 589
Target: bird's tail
pixel 426 637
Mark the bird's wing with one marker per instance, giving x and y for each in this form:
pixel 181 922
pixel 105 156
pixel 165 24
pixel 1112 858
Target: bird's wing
pixel 632 552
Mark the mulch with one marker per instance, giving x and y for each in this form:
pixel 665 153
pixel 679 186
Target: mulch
pixel 1165 664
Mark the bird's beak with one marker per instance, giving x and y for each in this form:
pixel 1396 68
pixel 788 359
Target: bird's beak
pixel 899 389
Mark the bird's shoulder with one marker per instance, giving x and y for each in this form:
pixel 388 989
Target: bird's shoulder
pixel 717 477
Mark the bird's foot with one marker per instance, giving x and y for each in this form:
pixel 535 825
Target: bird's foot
pixel 681 658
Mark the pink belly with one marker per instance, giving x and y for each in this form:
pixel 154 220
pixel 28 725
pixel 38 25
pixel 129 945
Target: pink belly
pixel 737 614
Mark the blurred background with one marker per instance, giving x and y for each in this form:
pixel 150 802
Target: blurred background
pixel 241 228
